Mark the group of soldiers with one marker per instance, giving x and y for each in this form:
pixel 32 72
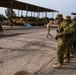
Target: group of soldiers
pixel 66 33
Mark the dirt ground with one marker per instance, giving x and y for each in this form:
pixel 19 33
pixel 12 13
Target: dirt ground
pixel 26 50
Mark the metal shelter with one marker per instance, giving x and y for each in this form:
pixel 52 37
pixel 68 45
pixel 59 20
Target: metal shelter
pixel 14 4
pixel 23 6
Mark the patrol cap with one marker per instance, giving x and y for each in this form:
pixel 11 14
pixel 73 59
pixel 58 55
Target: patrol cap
pixel 74 18
pixel 68 18
pixel 59 16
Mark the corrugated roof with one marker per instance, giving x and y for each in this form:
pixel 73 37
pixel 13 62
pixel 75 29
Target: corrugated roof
pixel 23 6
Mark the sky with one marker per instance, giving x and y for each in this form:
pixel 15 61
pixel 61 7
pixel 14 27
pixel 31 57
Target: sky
pixel 65 7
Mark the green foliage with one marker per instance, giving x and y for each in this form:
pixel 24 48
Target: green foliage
pixel 2 17
pixel 14 17
pixel 51 18
pixel 22 16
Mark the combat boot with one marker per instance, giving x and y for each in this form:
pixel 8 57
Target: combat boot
pixel 64 56
pixel 57 65
pixel 71 55
pixel 67 61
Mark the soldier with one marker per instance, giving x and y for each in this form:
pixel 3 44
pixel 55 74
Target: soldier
pixel 60 50
pixel 73 49
pixel 63 31
pixel 68 38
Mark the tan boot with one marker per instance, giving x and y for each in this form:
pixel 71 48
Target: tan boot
pixel 57 65
pixel 66 61
pixel 71 55
pixel 65 57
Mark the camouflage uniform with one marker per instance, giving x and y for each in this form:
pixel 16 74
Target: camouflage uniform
pixel 60 51
pixel 68 38
pixel 63 46
pixel 73 26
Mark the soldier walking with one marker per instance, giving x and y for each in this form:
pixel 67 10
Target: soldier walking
pixel 48 29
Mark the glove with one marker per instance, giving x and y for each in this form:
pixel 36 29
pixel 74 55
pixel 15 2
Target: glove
pixel 56 37
pixel 57 31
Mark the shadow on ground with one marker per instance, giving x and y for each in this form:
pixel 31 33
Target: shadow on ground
pixel 10 35
pixel 22 73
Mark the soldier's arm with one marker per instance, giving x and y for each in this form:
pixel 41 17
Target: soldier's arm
pixel 66 31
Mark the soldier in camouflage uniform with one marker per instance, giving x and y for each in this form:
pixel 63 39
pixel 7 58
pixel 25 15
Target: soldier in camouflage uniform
pixel 73 47
pixel 63 46
pixel 60 52
pixel 68 38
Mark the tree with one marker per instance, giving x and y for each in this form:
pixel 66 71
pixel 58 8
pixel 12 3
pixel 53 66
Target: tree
pixel 8 13
pixel 2 17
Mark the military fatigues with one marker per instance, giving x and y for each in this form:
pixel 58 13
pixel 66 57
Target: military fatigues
pixel 67 41
pixel 60 50
pixel 73 47
pixel 63 45
pixel 74 44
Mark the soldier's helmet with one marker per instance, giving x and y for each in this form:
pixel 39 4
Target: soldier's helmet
pixel 74 18
pixel 68 18
pixel 59 16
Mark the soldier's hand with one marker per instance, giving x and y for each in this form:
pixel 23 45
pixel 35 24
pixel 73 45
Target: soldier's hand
pixel 56 38
pixel 57 31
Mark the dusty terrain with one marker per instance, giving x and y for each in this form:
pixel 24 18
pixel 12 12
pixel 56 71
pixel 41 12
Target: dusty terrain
pixel 26 50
